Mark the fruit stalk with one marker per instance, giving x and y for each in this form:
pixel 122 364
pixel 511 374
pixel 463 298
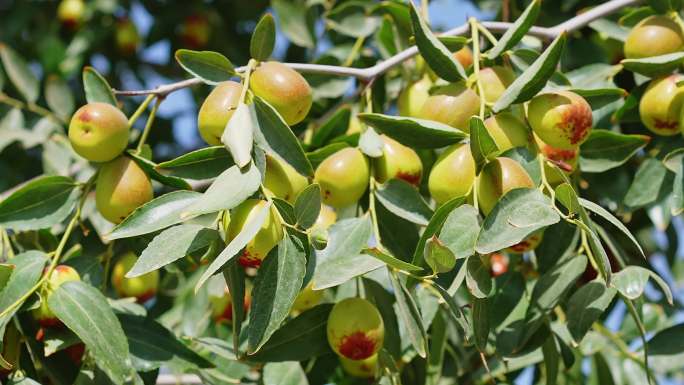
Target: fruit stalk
pixel 476 63
pixel 148 124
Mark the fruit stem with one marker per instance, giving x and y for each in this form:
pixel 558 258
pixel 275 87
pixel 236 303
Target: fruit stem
pixel 141 108
pixel 148 125
pixel 108 261
pixel 487 34
pixel 36 109
pixel 476 63
pixel 371 209
pixel 358 44
pixel 245 79
pixel 677 19
pixel 6 245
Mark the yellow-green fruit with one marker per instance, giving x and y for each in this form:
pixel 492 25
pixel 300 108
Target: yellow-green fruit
pixel 497 178
pixel 654 36
pixel 661 105
pixel 412 98
pixel 222 306
pixel 216 111
pixel 61 274
pixel 494 82
pixel 142 287
pixel 98 132
pixel 366 368
pixel 562 118
pixel 398 161
pixel 268 236
pixel 528 244
pixel 453 105
pixel 122 186
pixel 319 231
pixel 70 12
pixel 565 160
pixel 354 125
pixel 283 180
pixel 453 174
pixel 306 299
pixel 355 329
pixel 464 56
pixel 126 36
pixel 508 131
pixel 284 89
pixel 343 177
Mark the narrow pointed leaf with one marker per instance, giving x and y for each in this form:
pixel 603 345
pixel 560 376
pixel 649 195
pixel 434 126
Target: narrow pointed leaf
pixel 19 73
pixel 263 38
pixel 238 136
pixel 517 31
pixel 482 145
pixel 210 67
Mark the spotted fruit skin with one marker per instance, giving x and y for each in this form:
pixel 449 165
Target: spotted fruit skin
pixel 283 180
pixel 654 36
pixel 142 288
pixel 565 160
pixel 562 119
pixel 121 187
pixel 453 174
pixel 661 105
pixel 98 132
pixel 366 368
pixel 355 329
pixel 70 13
pixel 494 82
pixel 216 111
pixel 195 31
pixel 284 89
pixel 498 264
pixel 497 178
pixel 453 104
pixel 398 161
pixel 126 36
pixel 222 306
pixel 412 98
pixel 268 236
pixel 528 244
pixel 306 299
pixel 60 275
pixel 508 131
pixel 343 177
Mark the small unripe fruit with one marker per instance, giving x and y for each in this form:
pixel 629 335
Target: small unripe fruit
pixel 366 368
pixel 398 161
pixel 142 287
pixel 343 177
pixel 60 275
pixel 126 36
pixel 566 160
pixel 654 36
pixel 306 299
pixel 283 180
pixel 453 104
pixel 319 231
pixel 355 329
pixel 497 178
pixel 453 174
pixel 121 187
pixel 222 306
pixel 195 31
pixel 561 118
pixel 268 236
pixel 464 56
pixel 494 82
pixel 528 244
pixel 412 98
pixel 70 13
pixel 216 111
pixel 98 132
pixel 284 89
pixel 661 105
pixel 508 131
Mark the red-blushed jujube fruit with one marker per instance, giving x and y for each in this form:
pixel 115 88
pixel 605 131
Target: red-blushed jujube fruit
pixel 565 160
pixel 398 161
pixel 121 187
pixel 268 236
pixel 60 275
pixel 497 178
pixel 654 36
pixel 508 131
pixel 283 180
pixel 126 36
pixel 494 82
pixel 343 177
pixel 453 174
pixel 355 329
pixel 98 132
pixel 560 118
pixel 412 98
pixel 142 288
pixel 216 111
pixel 195 31
pixel 70 13
pixel 366 368
pixel 222 306
pixel 284 89
pixel 661 104
pixel 452 104
pixel 306 299
pixel 498 264
pixel 528 244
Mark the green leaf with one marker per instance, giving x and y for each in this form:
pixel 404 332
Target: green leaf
pixel 230 189
pixel 59 97
pixel 370 143
pixel 295 21
pixel 410 316
pixel 601 257
pixel 335 126
pixel 585 307
pixel 28 268
pixel 150 169
pixel 352 19
pixel 161 212
pixel 555 283
pixel 415 133
pixel 403 200
pixel 19 73
pixel 455 312
pixel 478 278
pixel 527 85
pixel 438 256
pixel 275 290
pixel 96 87
pixel 308 206
pixel 318 156
pixel 517 31
pixel 551 360
pixel 647 185
pixel 390 260
pixel 460 230
pixel 263 38
pixel 436 55
pixel 39 204
pixel 205 163
pixel 6 270
pixel 482 145
pixel 171 245
pixel 668 342
pixel 605 214
pixel 274 135
pixel 285 209
pixel 605 150
pixel 433 228
pixel 85 311
pixel 631 281
pixel 656 65
pixel 210 67
pixel 516 216
pixel 234 275
pixel 480 323
pixel 284 373
pixel 238 135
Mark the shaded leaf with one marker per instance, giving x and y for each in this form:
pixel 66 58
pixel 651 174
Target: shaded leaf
pixel 412 132
pixel 96 88
pixel 263 38
pixel 403 200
